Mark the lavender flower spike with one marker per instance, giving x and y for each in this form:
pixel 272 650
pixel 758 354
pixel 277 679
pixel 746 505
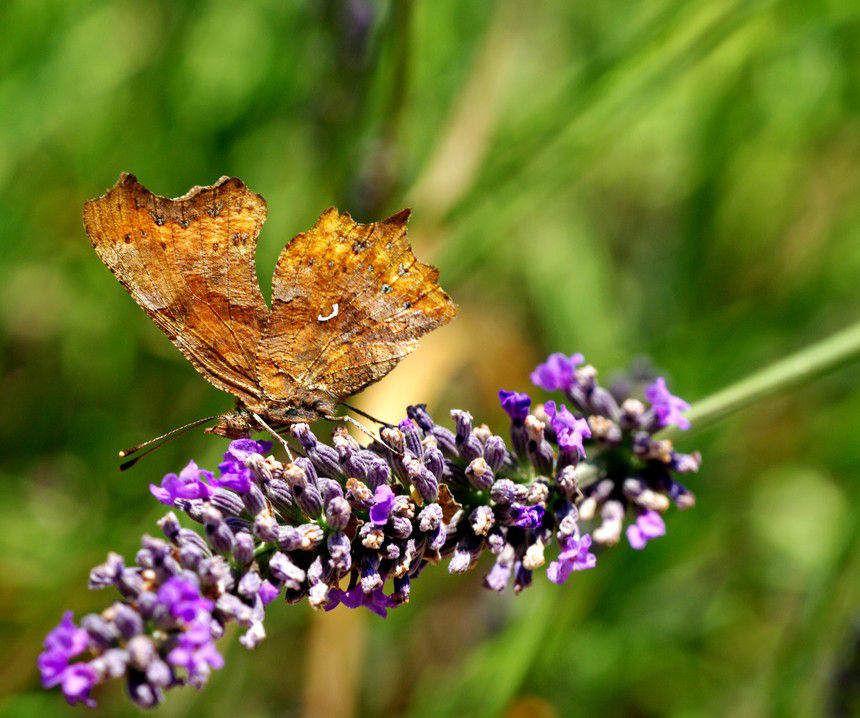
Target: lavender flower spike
pixel 352 525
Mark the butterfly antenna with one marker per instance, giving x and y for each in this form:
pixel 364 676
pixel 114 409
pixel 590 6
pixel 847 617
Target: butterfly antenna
pixel 355 410
pixel 125 466
pixel 275 434
pixel 159 441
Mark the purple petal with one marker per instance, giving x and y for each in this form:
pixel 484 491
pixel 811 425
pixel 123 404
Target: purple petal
pixel 78 681
pixel 651 524
pixel 667 408
pixel 635 537
pixel 515 404
pixel 557 372
pixel 268 592
pixel 242 449
pixel 383 500
pixel 558 572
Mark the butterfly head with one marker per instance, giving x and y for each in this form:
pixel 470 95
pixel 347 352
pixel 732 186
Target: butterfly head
pixel 301 409
pixel 233 424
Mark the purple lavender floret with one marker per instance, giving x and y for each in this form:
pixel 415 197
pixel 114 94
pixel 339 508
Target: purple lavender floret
pixel 355 597
pixel 62 644
pixel 527 517
pixel 235 469
pixel 191 483
pixel 383 500
pixel 181 597
pixel 574 556
pixel 558 372
pixel 352 525
pixel 515 404
pixel 668 408
pixel 570 431
pixel 195 652
pixel 649 525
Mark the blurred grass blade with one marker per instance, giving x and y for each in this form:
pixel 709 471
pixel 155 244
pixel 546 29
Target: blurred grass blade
pixel 822 357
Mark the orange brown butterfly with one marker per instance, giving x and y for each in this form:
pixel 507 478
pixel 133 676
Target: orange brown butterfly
pixel 349 300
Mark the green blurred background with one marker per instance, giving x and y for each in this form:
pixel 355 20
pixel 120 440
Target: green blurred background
pixel 672 179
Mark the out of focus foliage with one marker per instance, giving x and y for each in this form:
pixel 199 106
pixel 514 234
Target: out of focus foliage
pixel 674 179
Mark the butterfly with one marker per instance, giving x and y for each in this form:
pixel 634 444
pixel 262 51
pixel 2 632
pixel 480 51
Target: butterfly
pixel 349 300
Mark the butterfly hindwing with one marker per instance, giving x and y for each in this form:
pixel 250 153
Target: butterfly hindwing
pixel 349 301
pixel 189 263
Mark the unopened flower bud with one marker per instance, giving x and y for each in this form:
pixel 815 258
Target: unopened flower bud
pixel 480 474
pixel 603 403
pixel 337 513
pixel 279 493
pixel 422 479
pixel 495 452
pixel 141 652
pixel 261 469
pixel 358 494
pixel 430 517
pixel 538 492
pixel 371 536
pixel 170 526
pixel 101 632
pixel 378 474
pixel 218 534
pixel 312 536
pixel 534 556
pixel 254 500
pixel 482 433
pixel 243 549
pixel 412 438
pixel 630 416
pixel 609 531
pixel 285 571
pixel 393 438
pixel 249 585
pixel 266 527
pixel 482 520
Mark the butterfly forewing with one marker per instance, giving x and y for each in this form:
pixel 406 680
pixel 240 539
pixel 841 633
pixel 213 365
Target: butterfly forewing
pixel 349 301
pixel 189 263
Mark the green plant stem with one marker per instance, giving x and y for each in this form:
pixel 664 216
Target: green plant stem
pixel 812 362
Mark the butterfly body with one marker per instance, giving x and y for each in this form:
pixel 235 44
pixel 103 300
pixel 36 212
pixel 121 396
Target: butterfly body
pixel 349 300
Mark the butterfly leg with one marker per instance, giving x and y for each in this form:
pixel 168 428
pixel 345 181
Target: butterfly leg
pixel 275 434
pixel 358 411
pixel 362 428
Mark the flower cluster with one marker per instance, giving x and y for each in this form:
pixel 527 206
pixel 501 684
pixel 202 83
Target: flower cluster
pixel 352 525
